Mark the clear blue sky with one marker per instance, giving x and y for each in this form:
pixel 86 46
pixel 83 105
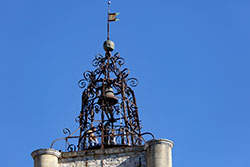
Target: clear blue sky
pixel 191 57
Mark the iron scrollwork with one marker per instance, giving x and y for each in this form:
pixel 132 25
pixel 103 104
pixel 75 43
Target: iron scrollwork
pixel 109 113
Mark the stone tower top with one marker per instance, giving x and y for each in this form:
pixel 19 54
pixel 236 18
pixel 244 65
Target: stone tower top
pixel 109 130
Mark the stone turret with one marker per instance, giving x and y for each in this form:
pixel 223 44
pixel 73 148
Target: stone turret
pixel 46 158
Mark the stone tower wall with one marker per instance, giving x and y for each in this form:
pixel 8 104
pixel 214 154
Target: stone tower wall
pixel 113 157
pixel 155 153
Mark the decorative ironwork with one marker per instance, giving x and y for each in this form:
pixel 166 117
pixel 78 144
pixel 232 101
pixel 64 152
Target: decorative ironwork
pixel 114 123
pixel 109 113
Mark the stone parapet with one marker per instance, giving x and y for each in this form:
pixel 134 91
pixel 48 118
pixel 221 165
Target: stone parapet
pixel 155 153
pixel 106 151
pixel 108 157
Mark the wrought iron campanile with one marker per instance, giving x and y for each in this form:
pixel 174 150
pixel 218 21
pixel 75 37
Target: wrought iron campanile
pixel 109 113
pixel 109 110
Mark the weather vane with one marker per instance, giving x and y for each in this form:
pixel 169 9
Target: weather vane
pixel 111 17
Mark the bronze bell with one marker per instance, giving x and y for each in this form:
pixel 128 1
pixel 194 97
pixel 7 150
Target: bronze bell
pixel 110 97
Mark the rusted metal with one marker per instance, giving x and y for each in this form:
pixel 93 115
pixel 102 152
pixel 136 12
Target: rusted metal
pixel 109 123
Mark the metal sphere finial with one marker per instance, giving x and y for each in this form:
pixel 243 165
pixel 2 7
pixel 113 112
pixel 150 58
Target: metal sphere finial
pixel 109 45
